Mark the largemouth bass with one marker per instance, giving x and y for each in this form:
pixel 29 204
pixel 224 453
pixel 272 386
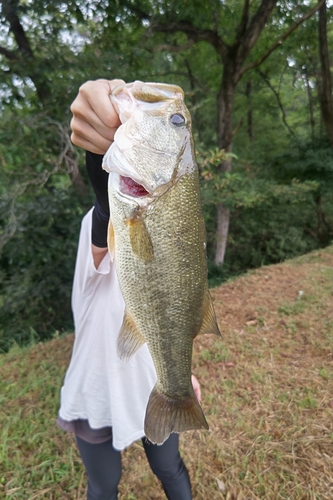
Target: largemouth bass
pixel 157 239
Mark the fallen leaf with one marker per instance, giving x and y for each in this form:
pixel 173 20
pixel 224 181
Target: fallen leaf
pixel 221 485
pixel 277 434
pixel 230 364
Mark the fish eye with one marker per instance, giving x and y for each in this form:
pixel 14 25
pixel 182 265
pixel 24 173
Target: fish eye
pixel 177 119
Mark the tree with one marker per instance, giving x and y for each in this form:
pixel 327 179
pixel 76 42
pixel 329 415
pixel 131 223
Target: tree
pixel 234 61
pixel 48 48
pixel 325 79
pixel 199 23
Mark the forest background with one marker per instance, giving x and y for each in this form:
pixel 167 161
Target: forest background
pixel 257 81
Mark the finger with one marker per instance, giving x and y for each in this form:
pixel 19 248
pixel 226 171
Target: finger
pixel 94 119
pixel 88 145
pixel 88 129
pixel 97 94
pixel 112 83
pixel 84 115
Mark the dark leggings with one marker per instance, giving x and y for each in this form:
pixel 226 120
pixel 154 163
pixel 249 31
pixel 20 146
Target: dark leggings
pixel 103 466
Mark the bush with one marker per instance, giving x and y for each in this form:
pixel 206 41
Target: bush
pixel 37 266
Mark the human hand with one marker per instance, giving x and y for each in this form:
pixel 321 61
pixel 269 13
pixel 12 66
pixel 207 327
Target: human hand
pixel 95 120
pixel 196 388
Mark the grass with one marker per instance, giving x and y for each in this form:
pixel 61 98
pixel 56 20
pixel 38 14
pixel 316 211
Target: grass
pixel 267 395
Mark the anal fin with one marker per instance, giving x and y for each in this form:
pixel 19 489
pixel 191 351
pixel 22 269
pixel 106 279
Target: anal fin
pixel 129 338
pixel 209 323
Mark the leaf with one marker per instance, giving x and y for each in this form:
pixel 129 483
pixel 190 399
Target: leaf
pixel 221 486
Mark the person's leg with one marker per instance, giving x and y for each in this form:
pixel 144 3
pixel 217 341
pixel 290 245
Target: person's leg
pixel 167 464
pixel 103 466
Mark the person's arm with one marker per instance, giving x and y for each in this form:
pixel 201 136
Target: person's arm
pixel 93 125
pixel 98 254
pixel 101 214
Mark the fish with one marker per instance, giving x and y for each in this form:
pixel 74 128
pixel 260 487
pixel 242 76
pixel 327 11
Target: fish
pixel 157 240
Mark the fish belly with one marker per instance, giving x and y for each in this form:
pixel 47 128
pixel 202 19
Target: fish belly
pixel 160 259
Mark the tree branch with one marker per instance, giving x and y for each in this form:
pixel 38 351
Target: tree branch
pixel 237 128
pixel 9 10
pixel 281 39
pixel 256 27
pixel 277 95
pixel 194 34
pixel 173 48
pixel 9 54
pixel 244 21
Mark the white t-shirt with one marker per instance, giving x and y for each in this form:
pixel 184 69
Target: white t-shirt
pixel 99 386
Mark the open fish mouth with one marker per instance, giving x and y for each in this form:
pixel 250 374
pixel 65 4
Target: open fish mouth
pixel 130 187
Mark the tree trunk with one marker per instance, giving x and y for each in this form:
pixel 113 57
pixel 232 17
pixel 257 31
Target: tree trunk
pixel 325 83
pixel 222 229
pixel 225 105
pixel 28 60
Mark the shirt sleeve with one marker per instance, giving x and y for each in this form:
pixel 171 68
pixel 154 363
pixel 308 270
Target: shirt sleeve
pixel 86 276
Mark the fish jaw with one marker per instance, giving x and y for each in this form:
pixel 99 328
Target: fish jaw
pixel 131 194
pixel 148 147
pixel 148 93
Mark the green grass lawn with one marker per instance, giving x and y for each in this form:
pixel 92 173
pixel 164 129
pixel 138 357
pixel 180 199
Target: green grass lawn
pixel 267 394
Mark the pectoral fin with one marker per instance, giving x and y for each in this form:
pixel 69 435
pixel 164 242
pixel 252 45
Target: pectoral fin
pixel 111 240
pixel 140 240
pixel 129 338
pixel 209 324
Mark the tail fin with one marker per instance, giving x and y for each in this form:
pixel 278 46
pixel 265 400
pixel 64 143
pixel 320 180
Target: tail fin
pixel 165 415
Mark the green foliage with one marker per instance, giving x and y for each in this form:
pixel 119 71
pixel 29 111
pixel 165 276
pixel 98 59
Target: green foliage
pixel 269 234
pixel 244 188
pixel 37 268
pixel 278 192
pixel 276 211
pixel 39 220
pixel 312 160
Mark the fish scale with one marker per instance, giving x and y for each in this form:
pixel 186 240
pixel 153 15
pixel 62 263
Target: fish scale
pixel 158 244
